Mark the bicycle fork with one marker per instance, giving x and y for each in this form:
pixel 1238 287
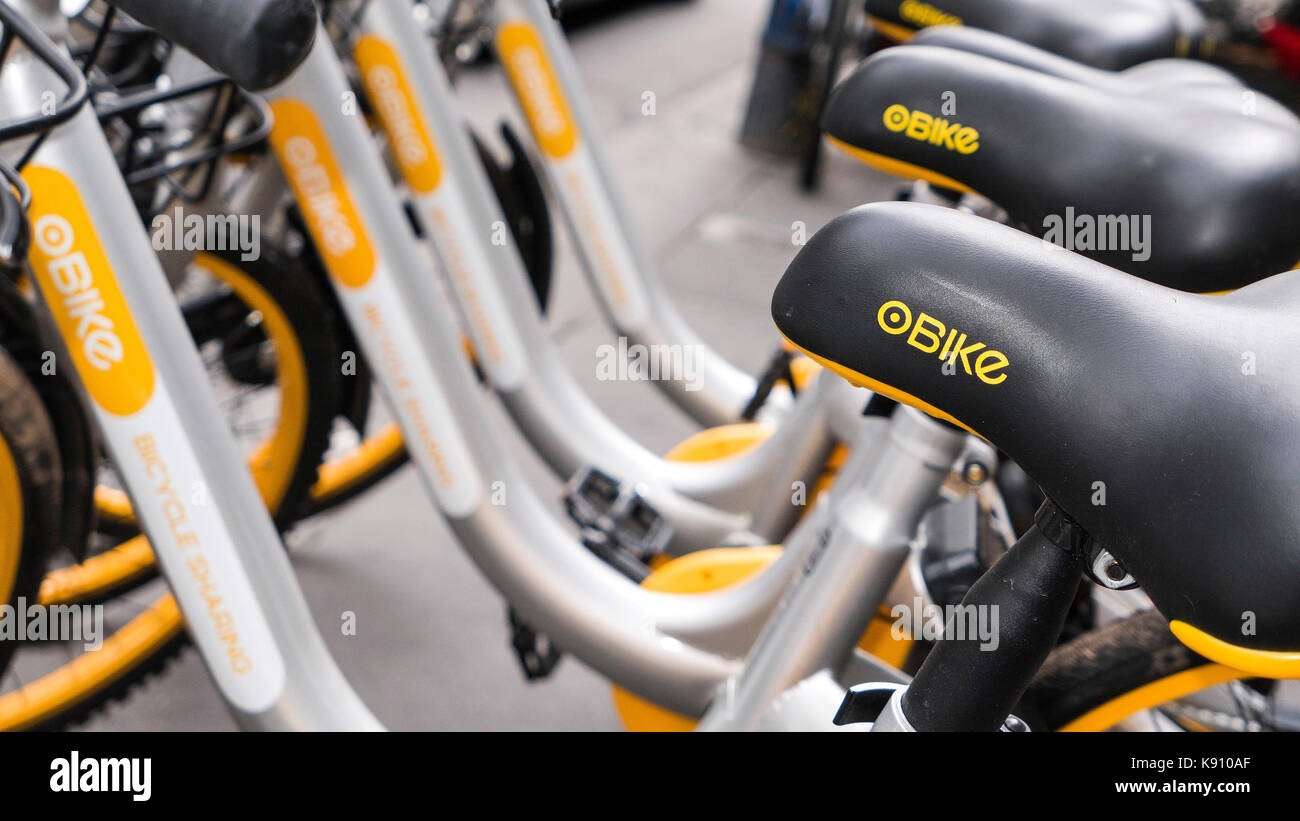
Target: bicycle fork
pixel 143 381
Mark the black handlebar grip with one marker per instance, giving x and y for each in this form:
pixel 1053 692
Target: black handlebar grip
pixel 256 43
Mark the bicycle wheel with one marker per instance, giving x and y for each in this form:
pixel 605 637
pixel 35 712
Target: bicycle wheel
pixel 30 479
pixel 1105 676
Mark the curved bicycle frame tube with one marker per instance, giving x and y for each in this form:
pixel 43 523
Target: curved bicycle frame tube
pixel 430 142
pixel 675 650
pixel 873 518
pixel 545 80
pixel 144 382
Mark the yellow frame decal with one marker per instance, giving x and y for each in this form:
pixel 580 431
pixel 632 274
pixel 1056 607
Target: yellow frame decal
pixel 313 171
pixel 75 277
pixel 390 92
pixel 530 71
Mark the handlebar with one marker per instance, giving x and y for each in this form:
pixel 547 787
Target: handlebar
pixel 256 43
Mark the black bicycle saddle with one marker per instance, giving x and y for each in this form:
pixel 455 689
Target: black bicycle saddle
pixel 1154 74
pixel 1166 423
pixel 1111 34
pixel 1187 178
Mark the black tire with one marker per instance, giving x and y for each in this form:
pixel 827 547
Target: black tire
pixel 357 388
pixel 152 666
pixel 21 337
pixel 297 294
pixel 1102 666
pixel 29 435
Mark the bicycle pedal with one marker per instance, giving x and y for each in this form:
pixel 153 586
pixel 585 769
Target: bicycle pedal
pixel 538 657
pixel 616 523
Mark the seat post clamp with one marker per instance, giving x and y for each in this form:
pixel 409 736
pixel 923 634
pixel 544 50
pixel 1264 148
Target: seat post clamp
pixel 1067 534
pixel 1061 530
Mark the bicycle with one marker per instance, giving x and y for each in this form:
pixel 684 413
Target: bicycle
pixel 140 373
pixel 266 341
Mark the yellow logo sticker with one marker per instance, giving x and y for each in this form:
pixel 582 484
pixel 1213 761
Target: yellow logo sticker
pixel 390 92
pixel 538 89
pixel 77 282
pixel 923 14
pixel 929 335
pixel 928 128
pixel 313 172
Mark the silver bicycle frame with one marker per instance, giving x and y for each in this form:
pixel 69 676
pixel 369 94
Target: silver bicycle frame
pixel 546 82
pixel 873 519
pixel 672 649
pixel 460 213
pixel 143 381
pixel 675 650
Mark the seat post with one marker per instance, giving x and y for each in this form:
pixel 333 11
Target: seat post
pixel 969 684
pixel 852 549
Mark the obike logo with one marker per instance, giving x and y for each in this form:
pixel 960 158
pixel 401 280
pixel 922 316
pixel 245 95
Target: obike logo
pixel 927 128
pixel 389 90
pixel 923 14
pixel 76 280
pixel 313 172
pixel 929 335
pixel 525 60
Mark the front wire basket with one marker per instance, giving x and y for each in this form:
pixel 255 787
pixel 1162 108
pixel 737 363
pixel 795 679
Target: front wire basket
pixel 16 197
pixel 168 137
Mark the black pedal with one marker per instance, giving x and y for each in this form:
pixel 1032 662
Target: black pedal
pixel 537 655
pixel 616 523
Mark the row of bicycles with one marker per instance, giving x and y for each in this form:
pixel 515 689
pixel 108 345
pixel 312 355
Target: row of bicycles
pixel 1025 457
